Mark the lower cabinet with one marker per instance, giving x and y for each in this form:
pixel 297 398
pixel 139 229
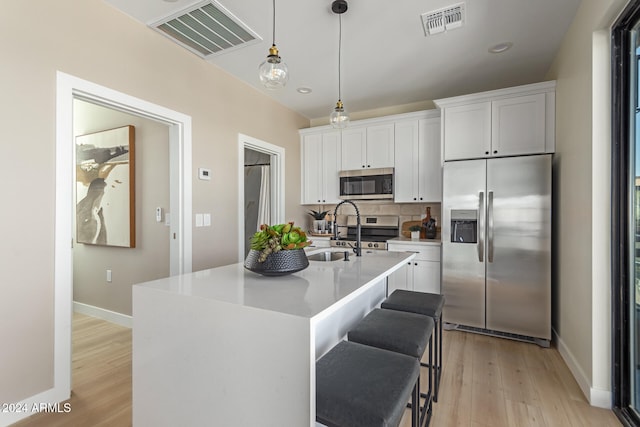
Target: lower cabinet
pixel 422 273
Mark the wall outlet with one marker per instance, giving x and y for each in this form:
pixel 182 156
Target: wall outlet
pixel 108 276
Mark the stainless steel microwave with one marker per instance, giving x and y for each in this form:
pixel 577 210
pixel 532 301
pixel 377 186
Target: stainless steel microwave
pixel 367 184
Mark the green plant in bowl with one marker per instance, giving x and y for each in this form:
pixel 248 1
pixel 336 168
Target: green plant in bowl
pixel 274 238
pixel 415 228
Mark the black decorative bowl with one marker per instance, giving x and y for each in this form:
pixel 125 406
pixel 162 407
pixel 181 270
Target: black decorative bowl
pixel 277 264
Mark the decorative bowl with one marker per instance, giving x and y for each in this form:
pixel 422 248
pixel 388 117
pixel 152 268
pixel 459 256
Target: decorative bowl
pixel 278 263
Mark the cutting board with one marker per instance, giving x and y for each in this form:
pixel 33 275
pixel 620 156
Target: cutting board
pixel 404 229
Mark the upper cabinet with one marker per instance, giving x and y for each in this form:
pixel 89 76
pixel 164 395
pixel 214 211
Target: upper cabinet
pixel 409 143
pixel 320 152
pixel 365 147
pixel 418 173
pixel 506 122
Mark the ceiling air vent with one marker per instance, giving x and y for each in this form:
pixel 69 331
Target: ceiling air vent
pixel 441 20
pixel 207 29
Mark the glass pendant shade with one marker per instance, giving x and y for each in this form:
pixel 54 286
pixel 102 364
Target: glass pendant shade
pixel 339 118
pixel 273 72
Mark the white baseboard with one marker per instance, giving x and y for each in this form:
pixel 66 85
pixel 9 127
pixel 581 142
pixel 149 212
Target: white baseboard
pixel 104 314
pixel 596 397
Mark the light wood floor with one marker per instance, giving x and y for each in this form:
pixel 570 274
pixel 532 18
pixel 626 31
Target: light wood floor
pixel 496 382
pixel 486 381
pixel 101 378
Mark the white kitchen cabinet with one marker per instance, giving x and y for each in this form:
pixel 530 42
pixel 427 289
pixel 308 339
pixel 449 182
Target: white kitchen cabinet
pixel 418 173
pixel 506 122
pixel 518 125
pixel 422 273
pixel 320 153
pixel 368 147
pixel 468 131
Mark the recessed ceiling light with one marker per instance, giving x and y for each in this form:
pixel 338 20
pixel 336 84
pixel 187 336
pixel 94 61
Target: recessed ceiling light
pixel 304 90
pixel 500 47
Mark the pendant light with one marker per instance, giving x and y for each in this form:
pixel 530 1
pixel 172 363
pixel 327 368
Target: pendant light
pixel 273 72
pixel 339 117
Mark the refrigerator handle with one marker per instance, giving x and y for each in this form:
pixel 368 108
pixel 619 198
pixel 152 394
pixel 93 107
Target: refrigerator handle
pixel 481 227
pixel 490 227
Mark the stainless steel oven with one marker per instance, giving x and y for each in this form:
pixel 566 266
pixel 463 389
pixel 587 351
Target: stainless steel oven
pixel 367 184
pixel 374 232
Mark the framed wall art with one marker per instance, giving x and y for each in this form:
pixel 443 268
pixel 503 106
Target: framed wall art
pixel 105 188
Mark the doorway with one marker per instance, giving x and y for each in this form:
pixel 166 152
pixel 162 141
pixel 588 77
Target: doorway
pixel 180 165
pixel 257 193
pixel 261 187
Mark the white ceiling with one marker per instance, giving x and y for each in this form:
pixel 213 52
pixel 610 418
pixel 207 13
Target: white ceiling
pixel 386 58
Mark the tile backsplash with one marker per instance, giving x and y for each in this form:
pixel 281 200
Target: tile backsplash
pixel 406 211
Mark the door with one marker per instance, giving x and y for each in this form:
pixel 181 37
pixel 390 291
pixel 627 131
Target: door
pixel 518 245
pixel 312 169
pixel 430 164
pixel 467 131
pixel 354 148
pixel 406 146
pixel 625 214
pixel 463 254
pixel 518 125
pixel 379 151
pixel 331 167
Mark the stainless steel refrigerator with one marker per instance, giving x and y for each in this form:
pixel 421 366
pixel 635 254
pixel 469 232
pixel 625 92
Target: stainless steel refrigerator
pixel 496 245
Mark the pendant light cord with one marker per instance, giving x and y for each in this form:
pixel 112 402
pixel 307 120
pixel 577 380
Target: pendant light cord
pixel 274 23
pixel 339 57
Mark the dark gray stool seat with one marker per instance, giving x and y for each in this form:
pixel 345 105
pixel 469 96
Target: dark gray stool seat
pixel 363 386
pixel 405 333
pixel 426 304
pixel 402 332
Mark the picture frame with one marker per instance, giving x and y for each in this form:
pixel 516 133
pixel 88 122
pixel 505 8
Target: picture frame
pixel 105 188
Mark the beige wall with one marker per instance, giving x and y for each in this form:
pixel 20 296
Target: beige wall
pixel 150 258
pixel 90 40
pixel 581 204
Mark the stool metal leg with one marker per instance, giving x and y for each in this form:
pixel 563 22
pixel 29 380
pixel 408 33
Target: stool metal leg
pixel 437 362
pixel 415 405
pixel 426 410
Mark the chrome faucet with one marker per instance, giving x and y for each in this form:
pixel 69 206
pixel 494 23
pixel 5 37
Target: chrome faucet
pixel 358 248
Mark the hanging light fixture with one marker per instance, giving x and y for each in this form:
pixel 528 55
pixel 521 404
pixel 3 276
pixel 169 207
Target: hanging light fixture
pixel 273 72
pixel 339 117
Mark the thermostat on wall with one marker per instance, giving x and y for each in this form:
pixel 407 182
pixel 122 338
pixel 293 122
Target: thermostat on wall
pixel 204 173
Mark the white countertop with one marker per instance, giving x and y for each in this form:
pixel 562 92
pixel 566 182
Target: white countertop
pixel 306 293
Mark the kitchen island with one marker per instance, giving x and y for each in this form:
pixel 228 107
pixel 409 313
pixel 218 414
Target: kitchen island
pixel 228 347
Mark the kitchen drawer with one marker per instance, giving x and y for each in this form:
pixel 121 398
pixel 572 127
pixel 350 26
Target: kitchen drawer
pixel 423 252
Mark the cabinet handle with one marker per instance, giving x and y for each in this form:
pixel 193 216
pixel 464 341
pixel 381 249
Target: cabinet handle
pixel 363 166
pixel 420 198
pixel 486 152
pixel 368 166
pixel 495 151
pixel 414 198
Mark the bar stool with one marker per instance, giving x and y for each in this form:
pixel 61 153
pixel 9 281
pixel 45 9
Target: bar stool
pixel 400 332
pixel 363 386
pixel 426 304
